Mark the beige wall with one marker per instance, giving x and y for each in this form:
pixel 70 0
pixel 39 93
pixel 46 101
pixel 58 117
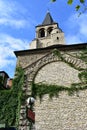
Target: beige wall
pixel 58 73
pixel 59 113
pixel 62 113
pixel 27 60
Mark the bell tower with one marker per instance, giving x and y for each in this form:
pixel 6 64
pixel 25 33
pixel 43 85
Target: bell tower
pixel 47 34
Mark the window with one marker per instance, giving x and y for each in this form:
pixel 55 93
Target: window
pixel 49 30
pixel 57 38
pixel 42 32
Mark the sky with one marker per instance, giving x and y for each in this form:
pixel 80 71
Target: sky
pixel 18 19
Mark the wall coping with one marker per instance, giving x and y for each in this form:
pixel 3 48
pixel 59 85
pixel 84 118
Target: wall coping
pixel 48 49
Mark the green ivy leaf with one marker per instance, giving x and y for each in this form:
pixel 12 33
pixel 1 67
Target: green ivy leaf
pixel 53 0
pixel 77 7
pixel 70 2
pixel 82 1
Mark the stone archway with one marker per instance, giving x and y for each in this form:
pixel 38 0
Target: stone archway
pixel 32 70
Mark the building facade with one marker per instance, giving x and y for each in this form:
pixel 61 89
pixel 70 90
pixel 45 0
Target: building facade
pixel 5 80
pixel 55 77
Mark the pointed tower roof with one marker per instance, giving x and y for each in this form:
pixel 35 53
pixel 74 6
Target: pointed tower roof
pixel 48 19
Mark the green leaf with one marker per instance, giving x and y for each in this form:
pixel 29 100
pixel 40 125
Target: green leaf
pixel 70 2
pixel 53 0
pixel 82 1
pixel 77 7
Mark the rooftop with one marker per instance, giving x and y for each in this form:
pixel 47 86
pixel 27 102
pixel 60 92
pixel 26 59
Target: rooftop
pixel 47 20
pixel 47 49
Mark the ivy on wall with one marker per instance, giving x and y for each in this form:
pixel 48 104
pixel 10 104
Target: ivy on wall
pixel 83 55
pixel 10 100
pixel 53 90
pixel 1 82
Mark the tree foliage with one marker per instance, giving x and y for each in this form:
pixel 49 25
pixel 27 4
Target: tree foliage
pixel 10 100
pixel 78 6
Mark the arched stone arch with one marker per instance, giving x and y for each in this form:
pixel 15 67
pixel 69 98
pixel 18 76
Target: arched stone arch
pixel 36 72
pixel 32 69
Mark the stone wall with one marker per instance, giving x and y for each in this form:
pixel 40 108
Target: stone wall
pixel 27 60
pixel 60 113
pixel 64 112
pixel 57 73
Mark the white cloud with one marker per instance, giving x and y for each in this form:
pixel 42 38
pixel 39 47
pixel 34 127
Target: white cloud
pixel 5 9
pixel 73 39
pixel 13 22
pixel 13 43
pixel 8 45
pixel 12 14
pixel 77 27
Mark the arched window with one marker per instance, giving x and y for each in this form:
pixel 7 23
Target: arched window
pixel 49 30
pixel 42 32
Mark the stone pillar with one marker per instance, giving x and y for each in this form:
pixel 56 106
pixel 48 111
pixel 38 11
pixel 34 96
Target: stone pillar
pixel 24 124
pixel 37 34
pixel 45 32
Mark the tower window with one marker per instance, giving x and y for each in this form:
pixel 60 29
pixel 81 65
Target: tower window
pixel 42 33
pixel 49 30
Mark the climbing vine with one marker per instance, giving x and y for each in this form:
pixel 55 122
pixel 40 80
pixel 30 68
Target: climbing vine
pixel 53 90
pixel 1 82
pixel 10 100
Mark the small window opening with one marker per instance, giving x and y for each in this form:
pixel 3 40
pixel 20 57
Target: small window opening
pixel 42 33
pixel 57 38
pixel 49 30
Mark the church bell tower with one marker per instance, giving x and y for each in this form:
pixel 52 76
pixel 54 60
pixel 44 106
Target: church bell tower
pixel 47 34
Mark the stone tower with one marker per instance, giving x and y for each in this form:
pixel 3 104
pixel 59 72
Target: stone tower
pixel 47 34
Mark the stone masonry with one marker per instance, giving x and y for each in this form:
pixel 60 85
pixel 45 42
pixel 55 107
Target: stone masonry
pixel 61 113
